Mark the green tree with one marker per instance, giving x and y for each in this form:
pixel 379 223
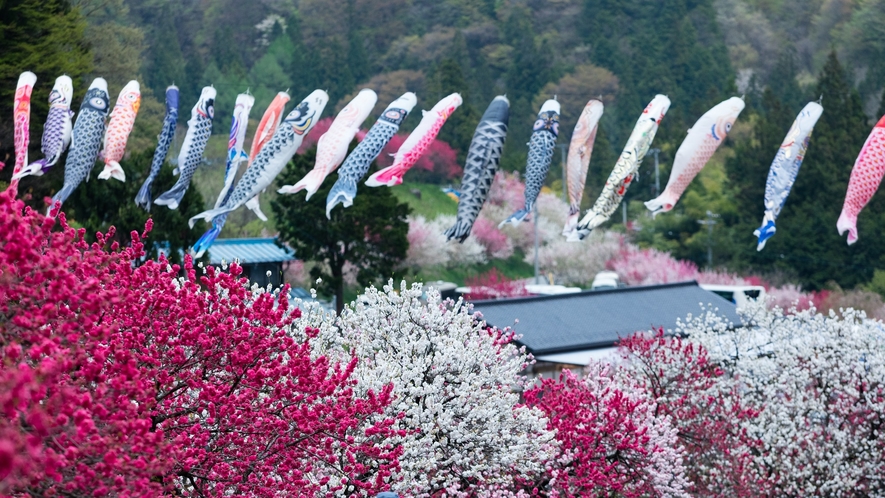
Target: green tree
pixel 45 37
pixel 529 70
pixel 371 235
pixel 446 78
pixel 96 205
pixel 164 62
pixel 806 243
pixel 672 47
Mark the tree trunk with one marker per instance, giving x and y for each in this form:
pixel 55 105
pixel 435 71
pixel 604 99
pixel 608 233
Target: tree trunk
pixel 337 267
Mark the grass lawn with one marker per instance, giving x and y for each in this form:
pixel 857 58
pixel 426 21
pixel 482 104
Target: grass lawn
pixel 514 267
pixel 433 201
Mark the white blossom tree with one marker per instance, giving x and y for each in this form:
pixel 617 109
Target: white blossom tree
pixel 462 428
pixel 819 383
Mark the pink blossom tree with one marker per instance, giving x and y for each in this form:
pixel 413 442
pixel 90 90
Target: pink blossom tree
pixel 251 411
pixel 613 440
pixel 133 381
pixel 73 422
pixel 494 285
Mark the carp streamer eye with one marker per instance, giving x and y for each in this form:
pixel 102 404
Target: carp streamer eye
pixel 97 102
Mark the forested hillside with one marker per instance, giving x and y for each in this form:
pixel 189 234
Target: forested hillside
pixel 698 52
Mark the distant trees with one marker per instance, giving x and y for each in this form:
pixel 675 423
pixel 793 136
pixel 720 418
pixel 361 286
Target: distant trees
pixel 45 37
pixel 448 77
pixel 807 243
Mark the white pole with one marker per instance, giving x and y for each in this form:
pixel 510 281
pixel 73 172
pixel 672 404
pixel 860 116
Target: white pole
pixel 535 216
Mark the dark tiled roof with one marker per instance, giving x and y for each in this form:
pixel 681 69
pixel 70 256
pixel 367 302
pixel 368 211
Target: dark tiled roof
pixel 249 251
pixel 596 319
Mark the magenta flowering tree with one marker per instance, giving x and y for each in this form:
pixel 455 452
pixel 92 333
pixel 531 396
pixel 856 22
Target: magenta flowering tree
pixel 73 422
pixel 251 412
pixel 134 381
pixel 613 440
pixel 494 285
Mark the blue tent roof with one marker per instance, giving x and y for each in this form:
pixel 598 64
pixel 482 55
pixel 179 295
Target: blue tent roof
pixel 249 251
pixel 597 319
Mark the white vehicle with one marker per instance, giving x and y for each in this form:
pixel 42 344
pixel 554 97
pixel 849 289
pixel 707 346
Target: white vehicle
pixel 532 289
pixel 740 295
pixel 606 280
pixel 550 290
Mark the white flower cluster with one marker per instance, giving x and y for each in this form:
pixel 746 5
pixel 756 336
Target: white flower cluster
pixel 463 423
pixel 820 380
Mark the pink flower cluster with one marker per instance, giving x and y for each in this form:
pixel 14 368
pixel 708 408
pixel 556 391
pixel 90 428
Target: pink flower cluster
pixel 611 437
pixel 637 266
pixel 494 285
pixel 123 380
pixel 72 415
pixel 706 409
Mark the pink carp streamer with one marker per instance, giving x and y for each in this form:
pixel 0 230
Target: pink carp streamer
pixel 115 138
pixel 579 150
pixel 707 134
pixel 21 118
pixel 865 179
pixel 419 140
pixel 332 146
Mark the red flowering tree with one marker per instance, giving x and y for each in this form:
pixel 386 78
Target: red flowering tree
pixel 705 406
pixel 73 423
pixel 131 381
pixel 251 411
pixel 494 285
pixel 612 440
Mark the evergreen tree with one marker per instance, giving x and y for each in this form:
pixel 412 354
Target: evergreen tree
pixel 529 71
pixel 371 235
pixel 46 38
pixel 806 243
pixel 446 78
pixel 672 47
pixel 165 62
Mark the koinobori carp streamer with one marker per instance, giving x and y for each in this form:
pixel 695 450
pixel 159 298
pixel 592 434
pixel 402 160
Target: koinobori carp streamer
pixel 578 162
pixel 357 163
pixel 480 167
pixel 57 130
pixel 785 168
pixel 272 158
pixel 541 145
pixel 86 138
pixel 417 142
pixel 21 122
pixel 707 134
pixel 164 141
pixel 864 181
pixel 199 129
pixel 332 146
pixel 122 121
pixel 625 169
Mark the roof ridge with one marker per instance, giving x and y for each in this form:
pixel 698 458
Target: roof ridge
pixel 635 288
